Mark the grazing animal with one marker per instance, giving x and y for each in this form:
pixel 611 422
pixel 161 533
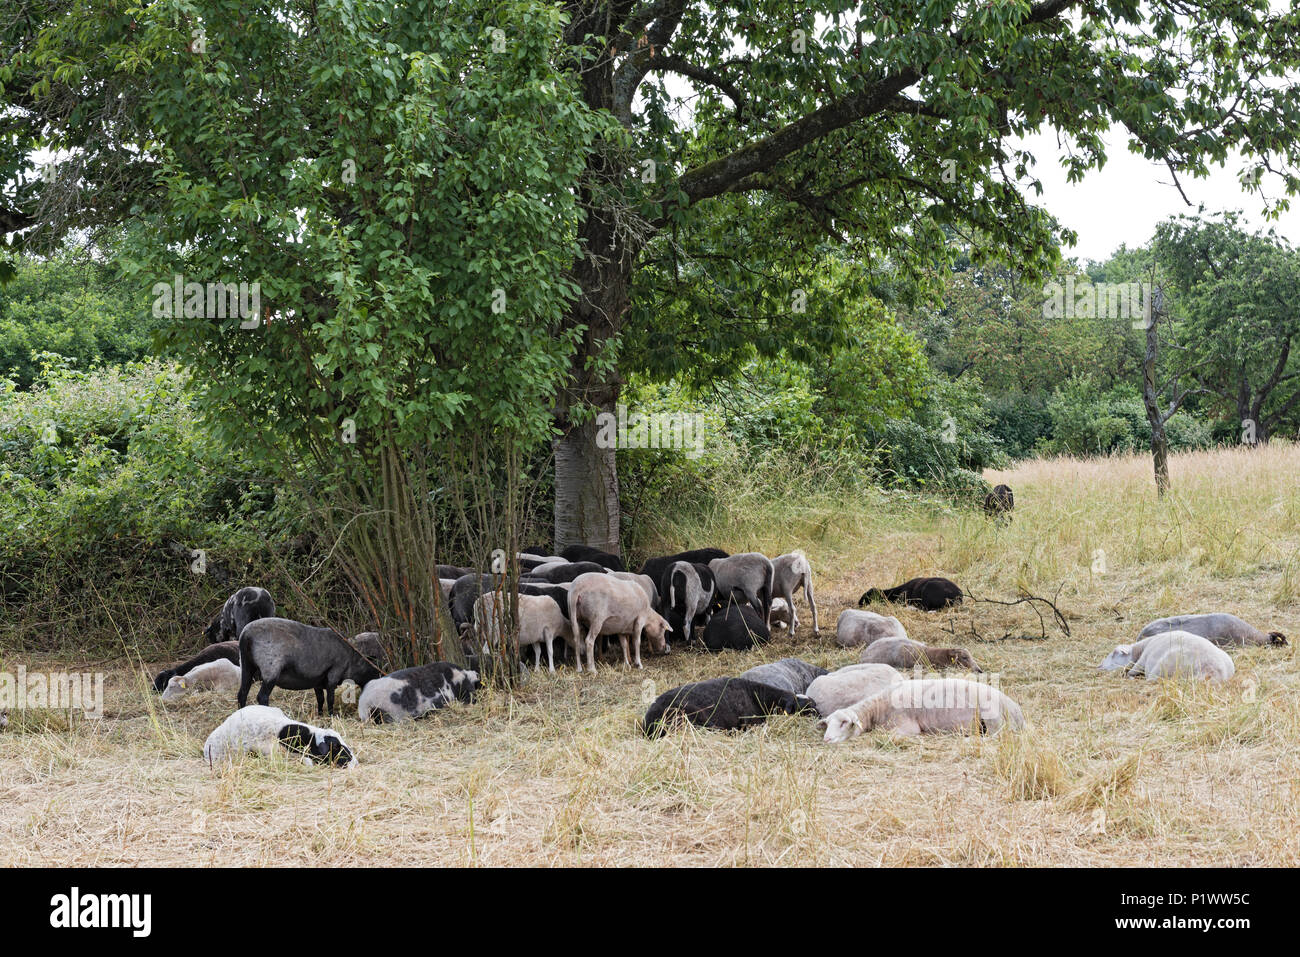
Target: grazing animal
pixel 999 502
pixel 687 590
pixel 655 567
pixel 455 571
pixel 289 654
pixel 906 653
pixel 415 692
pixel 789 572
pixel 927 706
pixel 600 604
pixel 565 571
pixel 849 685
pixel 1226 631
pixel 247 604
pixel 929 594
pixel 585 553
pixel 751 573
pixel 540 622
pixel 782 615
pixel 218 675
pixel 737 627
pixel 261 730
pixel 649 587
pixel 222 650
pixel 464 592
pixel 1171 654
pixel 855 628
pixel 371 645
pixel 723 704
pixel 789 674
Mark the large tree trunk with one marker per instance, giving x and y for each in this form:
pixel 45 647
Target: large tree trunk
pixel 586 477
pixel 586 491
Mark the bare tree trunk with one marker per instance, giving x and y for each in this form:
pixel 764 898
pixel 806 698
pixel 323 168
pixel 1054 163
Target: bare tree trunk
pixel 1151 399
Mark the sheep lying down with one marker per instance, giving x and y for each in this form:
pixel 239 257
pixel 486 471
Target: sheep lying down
pixel 1171 654
pixel 723 704
pixel 1224 630
pixel 927 706
pixel 849 685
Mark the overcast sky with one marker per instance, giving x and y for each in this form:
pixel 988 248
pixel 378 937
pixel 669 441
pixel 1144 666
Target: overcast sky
pixel 1123 202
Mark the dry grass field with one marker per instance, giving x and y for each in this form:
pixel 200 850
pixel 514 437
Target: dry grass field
pixel 1109 771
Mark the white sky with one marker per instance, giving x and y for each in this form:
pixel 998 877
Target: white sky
pixel 1124 200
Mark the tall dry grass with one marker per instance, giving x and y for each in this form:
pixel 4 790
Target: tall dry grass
pixel 1110 771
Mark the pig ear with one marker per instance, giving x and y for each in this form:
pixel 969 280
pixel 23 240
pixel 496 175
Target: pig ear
pixel 822 724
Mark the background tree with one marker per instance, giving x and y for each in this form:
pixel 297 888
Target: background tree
pixel 1236 295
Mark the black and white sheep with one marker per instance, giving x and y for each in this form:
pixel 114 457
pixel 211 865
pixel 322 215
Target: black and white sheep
pixel 289 654
pixel 749 572
pixel 600 604
pixel 415 692
pixel 789 674
pixel 1224 630
pixel 687 589
pixel 245 605
pixel 655 567
pixel 221 651
pixel 790 572
pixel 737 626
pixel 723 704
pixel 262 730
pixel 929 594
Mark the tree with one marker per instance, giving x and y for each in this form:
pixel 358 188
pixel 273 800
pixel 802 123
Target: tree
pixel 1237 292
pixel 876 126
pixel 385 201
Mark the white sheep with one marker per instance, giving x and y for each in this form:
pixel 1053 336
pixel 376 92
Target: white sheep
pixel 855 628
pixel 908 653
pixel 260 729
pixel 600 604
pixel 540 622
pixel 850 684
pixel 782 614
pixel 789 572
pixel 219 675
pixel 927 706
pixel 645 581
pixel 1171 654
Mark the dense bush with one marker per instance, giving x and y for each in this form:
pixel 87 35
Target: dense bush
pixel 74 306
pixel 1086 422
pixel 108 485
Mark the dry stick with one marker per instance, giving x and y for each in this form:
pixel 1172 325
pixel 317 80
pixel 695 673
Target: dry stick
pixel 1032 599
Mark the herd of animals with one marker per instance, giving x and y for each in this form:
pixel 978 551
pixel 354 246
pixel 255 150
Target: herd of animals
pixel 587 598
